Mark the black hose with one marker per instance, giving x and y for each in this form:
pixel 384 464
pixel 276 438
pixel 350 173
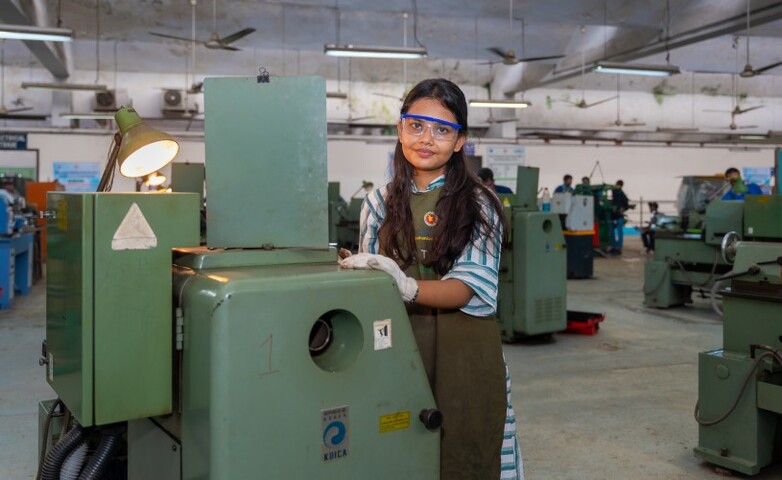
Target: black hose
pixel 45 436
pixel 58 454
pixel 104 454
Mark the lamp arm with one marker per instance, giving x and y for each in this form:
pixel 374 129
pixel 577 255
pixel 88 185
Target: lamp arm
pixel 108 172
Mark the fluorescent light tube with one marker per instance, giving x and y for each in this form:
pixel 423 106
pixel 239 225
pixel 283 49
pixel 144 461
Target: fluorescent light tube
pixel 636 69
pixel 358 51
pixel 64 86
pixel 500 103
pixel 32 32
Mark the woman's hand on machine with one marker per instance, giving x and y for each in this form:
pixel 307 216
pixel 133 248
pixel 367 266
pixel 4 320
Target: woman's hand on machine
pixel 408 287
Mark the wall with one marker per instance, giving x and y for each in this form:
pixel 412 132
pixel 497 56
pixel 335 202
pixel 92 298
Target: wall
pixel 649 172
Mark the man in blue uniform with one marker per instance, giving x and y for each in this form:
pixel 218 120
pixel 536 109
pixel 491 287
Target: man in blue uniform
pixel 739 189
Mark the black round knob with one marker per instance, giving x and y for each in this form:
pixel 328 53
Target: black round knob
pixel 431 418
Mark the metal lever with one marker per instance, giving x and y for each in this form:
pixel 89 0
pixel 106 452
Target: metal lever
pixel 44 360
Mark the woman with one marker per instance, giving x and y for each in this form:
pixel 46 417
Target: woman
pixel 438 231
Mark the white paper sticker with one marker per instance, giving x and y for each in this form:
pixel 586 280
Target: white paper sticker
pixel 382 330
pixel 134 233
pixel 750 230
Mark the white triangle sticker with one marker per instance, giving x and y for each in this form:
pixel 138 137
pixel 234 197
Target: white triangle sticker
pixel 134 233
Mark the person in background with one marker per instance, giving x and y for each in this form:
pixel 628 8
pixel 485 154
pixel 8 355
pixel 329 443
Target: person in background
pixel 619 204
pixel 567 185
pixel 738 188
pixel 585 181
pixel 487 177
pixel 647 233
pixel 438 231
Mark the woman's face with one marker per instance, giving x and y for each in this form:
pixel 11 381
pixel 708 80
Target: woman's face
pixel 427 154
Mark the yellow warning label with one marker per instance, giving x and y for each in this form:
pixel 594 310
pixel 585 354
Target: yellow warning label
pixel 394 421
pixel 62 215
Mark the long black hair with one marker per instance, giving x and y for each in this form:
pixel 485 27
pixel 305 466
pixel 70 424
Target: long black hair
pixel 458 209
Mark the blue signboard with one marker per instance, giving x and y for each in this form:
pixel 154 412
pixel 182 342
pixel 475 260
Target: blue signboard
pixel 13 141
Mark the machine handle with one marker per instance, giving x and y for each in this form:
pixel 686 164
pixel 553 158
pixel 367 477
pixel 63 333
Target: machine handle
pixel 431 418
pixel 47 214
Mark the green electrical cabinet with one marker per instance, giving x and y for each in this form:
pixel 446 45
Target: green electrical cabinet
pixel 108 303
pixel 533 266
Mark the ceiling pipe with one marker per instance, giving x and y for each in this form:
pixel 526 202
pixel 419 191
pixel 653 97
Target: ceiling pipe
pixel 727 26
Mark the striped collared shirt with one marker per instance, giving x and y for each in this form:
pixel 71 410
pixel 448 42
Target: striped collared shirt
pixel 476 267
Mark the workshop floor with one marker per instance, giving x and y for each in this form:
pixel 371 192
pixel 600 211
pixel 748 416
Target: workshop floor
pixel 617 405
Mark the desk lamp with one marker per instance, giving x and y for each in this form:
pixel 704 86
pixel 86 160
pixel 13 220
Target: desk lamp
pixel 138 149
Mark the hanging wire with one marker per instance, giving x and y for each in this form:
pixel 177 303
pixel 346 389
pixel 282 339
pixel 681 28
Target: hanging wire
pixel 116 63
pixel 748 2
pixel 59 13
pixel 667 30
pixel 214 15
pixel 97 41
pixel 2 74
pixel 415 24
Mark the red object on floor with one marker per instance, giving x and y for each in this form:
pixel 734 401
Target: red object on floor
pixel 583 323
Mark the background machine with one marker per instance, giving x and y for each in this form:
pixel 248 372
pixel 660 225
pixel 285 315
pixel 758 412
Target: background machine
pixel 533 285
pixel 258 356
pixel 740 385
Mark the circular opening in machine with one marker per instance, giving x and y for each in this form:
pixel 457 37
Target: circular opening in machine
pixel 335 340
pixel 547 225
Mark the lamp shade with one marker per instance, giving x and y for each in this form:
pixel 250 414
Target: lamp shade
pixel 143 149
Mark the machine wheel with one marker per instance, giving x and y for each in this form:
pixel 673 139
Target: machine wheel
pixel 728 246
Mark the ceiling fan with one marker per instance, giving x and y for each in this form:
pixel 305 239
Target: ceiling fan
pixel 509 56
pixel 748 71
pixel 737 110
pixel 583 103
pixel 215 41
pixel 12 113
pixel 618 122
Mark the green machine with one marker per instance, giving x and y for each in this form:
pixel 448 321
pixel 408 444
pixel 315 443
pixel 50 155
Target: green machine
pixel 533 266
pixel 254 356
pixel 344 217
pixel 603 209
pixel 739 409
pixel 687 252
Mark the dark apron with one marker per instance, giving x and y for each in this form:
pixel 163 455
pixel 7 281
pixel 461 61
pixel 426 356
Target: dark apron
pixel 463 359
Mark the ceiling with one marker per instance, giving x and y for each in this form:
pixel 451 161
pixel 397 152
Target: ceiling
pixel 706 37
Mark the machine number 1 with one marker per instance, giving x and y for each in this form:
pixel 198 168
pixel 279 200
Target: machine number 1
pixel 268 343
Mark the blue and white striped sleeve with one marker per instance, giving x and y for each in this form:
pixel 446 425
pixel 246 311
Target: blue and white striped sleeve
pixel 479 264
pixel 373 211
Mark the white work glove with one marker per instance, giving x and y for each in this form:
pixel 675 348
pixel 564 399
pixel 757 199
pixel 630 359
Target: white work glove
pixel 408 287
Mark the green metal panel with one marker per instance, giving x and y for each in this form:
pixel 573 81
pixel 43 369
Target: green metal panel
pixel 69 300
pixel 770 395
pixel 152 453
pixel 266 162
pixel 526 188
pixel 188 177
pixel 722 216
pixel 659 289
pixel 745 440
pixel 750 322
pixel 109 303
pixel 133 328
pixel 539 264
pixel 253 397
pixel 763 216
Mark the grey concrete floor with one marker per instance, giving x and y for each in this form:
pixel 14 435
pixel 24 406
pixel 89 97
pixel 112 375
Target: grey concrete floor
pixel 617 405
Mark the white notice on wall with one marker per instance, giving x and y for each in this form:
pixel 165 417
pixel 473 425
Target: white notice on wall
pixel 382 329
pixel 134 233
pixel 504 161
